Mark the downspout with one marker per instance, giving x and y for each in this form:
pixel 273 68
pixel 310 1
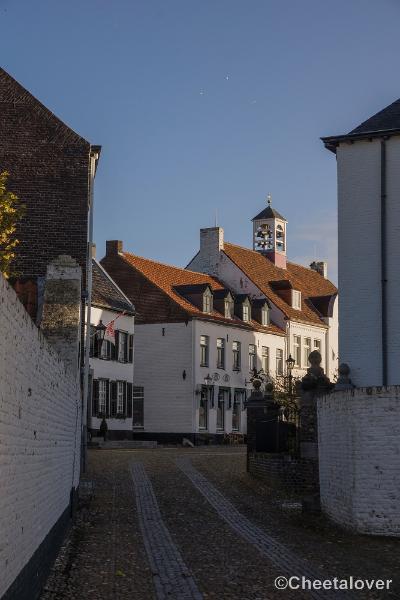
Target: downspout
pixel 383 263
pixel 93 158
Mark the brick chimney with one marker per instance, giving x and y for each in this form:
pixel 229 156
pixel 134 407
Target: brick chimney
pixel 113 247
pixel 211 244
pixel 321 267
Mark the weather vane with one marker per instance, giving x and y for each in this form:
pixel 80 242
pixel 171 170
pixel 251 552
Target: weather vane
pixel 269 199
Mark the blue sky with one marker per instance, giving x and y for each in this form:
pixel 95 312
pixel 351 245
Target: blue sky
pixel 208 105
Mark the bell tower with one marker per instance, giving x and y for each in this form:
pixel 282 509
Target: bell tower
pixel 269 234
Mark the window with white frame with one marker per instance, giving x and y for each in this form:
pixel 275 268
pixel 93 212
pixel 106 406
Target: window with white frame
pixel 105 350
pixel 103 383
pixel 236 356
pixel 220 353
pixel 317 345
pixel 221 407
pixel 252 357
pixel 207 301
pixel 296 299
pixel 229 308
pixel 120 397
pixel 306 350
pixel 279 361
pixel 122 346
pixel 265 359
pixel 239 397
pixel 297 350
pixel 204 350
pixel 246 311
pixel 203 408
pixel 265 315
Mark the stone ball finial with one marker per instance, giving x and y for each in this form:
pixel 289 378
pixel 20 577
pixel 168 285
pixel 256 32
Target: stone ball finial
pixel 315 358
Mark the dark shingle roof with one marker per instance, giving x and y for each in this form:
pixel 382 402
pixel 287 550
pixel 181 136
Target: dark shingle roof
pixel 269 213
pixel 106 293
pixel 384 120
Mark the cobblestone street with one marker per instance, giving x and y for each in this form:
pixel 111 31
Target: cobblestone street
pixel 190 523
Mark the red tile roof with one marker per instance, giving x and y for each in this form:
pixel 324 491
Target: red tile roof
pixel 167 277
pixel 263 273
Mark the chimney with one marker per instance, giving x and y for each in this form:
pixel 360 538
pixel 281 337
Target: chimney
pixel 211 240
pixel 321 267
pixel 113 247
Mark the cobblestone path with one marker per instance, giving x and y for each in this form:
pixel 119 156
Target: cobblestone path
pixel 288 563
pixel 158 527
pixel 172 579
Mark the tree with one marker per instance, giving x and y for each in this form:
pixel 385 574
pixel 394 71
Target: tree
pixel 11 211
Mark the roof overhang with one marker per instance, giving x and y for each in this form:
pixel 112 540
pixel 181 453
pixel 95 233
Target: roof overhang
pixel 333 141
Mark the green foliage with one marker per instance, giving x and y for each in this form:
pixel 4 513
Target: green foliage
pixel 11 211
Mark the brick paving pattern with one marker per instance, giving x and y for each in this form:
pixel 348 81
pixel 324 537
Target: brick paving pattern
pixel 172 579
pixel 277 553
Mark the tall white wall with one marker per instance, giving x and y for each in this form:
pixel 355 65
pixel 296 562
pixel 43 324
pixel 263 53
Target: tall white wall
pixel 359 450
pixel 359 260
pixel 40 424
pixel 160 361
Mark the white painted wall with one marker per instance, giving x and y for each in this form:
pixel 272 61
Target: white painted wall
pixel 40 425
pixel 159 364
pixel 359 260
pixel 359 459
pixel 112 369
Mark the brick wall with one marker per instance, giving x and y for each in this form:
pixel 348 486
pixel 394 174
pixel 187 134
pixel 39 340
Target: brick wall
pixel 359 454
pixel 49 171
pixel 284 472
pixel 39 445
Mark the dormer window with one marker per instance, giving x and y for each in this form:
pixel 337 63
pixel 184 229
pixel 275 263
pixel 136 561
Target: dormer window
pixel 207 301
pixel 265 315
pixel 246 312
pixel 229 308
pixel 296 299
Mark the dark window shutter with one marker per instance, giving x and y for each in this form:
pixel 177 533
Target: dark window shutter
pixel 112 352
pixel 113 401
pixel 125 393
pixel 126 353
pixel 95 398
pixel 107 399
pixel 116 344
pixel 129 400
pixel 130 357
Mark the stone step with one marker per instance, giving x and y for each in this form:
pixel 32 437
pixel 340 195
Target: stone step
pixel 130 444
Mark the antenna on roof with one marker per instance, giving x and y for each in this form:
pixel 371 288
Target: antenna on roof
pixel 269 198
pixel 216 217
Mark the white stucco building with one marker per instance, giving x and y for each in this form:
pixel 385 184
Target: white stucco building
pixel 195 343
pixel 303 302
pixel 368 175
pixel 114 395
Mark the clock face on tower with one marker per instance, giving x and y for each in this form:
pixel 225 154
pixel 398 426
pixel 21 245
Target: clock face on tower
pixel 263 237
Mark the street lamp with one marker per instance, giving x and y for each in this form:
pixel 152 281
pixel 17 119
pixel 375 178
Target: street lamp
pixel 100 333
pixel 289 366
pixel 208 379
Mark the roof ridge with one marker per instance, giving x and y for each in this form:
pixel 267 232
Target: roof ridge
pixel 41 106
pixel 157 262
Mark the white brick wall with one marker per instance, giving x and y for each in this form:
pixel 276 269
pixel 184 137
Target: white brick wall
pixel 359 458
pixel 39 436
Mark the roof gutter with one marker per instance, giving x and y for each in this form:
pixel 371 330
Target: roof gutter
pixel 333 141
pixel 384 263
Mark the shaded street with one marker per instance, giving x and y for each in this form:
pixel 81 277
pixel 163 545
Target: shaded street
pixel 190 523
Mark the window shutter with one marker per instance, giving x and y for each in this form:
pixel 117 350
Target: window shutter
pixel 126 350
pixel 116 344
pixel 130 356
pixel 107 399
pixel 113 394
pixel 95 398
pixel 112 352
pixel 129 400
pixel 125 399
pixel 230 398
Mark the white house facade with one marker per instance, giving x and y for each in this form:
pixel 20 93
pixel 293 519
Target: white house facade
pixel 196 344
pixel 111 358
pixel 303 302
